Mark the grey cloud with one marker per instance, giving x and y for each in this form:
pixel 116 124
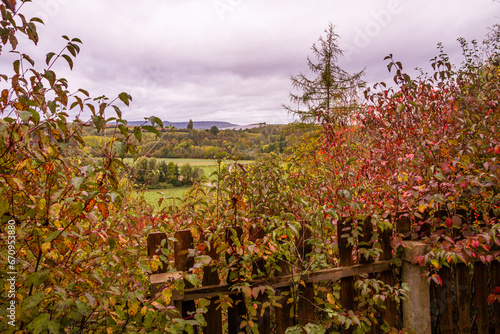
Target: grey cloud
pixel 231 60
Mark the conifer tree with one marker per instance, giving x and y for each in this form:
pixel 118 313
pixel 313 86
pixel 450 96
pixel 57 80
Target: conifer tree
pixel 331 96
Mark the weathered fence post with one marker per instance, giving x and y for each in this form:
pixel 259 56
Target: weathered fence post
pixel 256 234
pixel 365 243
pixel 238 311
pixel 495 282
pixel 344 229
pixel 305 307
pixel 154 249
pixel 389 313
pixel 417 309
pixel 283 318
pixel 481 296
pixel 213 317
pixel 445 301
pixel 184 262
pixel 464 297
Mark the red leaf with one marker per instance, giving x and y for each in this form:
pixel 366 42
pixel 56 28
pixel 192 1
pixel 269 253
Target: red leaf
pixel 103 208
pixel 11 4
pixel 448 222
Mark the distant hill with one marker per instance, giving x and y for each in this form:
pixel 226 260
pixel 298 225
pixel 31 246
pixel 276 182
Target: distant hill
pixel 244 127
pixel 196 124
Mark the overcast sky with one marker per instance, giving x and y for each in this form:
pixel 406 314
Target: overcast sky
pixel 231 60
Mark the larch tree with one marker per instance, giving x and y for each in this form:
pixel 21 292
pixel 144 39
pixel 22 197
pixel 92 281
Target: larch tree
pixel 332 95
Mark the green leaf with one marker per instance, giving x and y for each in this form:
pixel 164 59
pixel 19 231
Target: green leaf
pixel 125 98
pixel 151 129
pixel 52 236
pixel 13 41
pixel 84 92
pixel 35 116
pixel 25 115
pixel 121 148
pixel 123 129
pixel 39 323
pixel 155 120
pixel 32 33
pixel 77 182
pixel 4 205
pixel 99 123
pixel 71 49
pixel 53 327
pixel 37 19
pixel 50 76
pixel 34 300
pixel 439 176
pixel 69 60
pixel 118 111
pixel 16 65
pixel 138 133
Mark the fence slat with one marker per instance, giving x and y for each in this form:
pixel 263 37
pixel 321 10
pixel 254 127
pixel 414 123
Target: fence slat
pixel 282 313
pixel 445 301
pixel 344 228
pixel 258 270
pixel 389 313
pixel 237 311
pixel 464 297
pixel 305 307
pixel 495 282
pixel 213 316
pixel 183 262
pixel 481 296
pixel 154 248
pixel 365 243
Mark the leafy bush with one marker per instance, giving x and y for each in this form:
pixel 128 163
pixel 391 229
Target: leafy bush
pixel 79 264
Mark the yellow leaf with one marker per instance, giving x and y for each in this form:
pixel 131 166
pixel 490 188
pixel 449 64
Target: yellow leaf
pixel 166 295
pixel 422 208
pixel 41 204
pixel 54 210
pixel 330 298
pixel 134 308
pixel 109 330
pixel 46 246
pixel 154 265
pixel 21 164
pixel 144 310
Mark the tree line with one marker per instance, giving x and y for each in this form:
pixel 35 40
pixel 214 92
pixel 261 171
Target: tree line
pixel 209 144
pixel 152 174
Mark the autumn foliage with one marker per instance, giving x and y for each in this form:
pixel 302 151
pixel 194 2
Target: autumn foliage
pixel 428 149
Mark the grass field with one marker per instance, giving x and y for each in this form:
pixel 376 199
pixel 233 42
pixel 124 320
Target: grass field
pixel 152 196
pixel 207 165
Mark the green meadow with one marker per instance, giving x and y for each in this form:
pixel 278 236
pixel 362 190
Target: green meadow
pixel 171 195
pixel 207 165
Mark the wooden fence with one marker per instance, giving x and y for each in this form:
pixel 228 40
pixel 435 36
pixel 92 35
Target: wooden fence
pixel 458 306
